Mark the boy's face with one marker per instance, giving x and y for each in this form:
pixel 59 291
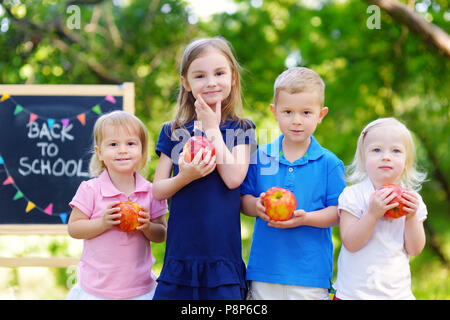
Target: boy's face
pixel 298 115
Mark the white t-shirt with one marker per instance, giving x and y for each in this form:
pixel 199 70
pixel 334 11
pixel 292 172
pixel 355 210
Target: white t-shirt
pixel 380 269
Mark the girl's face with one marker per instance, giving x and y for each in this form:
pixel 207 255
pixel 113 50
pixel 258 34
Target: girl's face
pixel 385 153
pixel 120 150
pixel 210 76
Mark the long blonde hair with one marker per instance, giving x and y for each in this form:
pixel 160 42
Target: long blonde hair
pixel 232 105
pixel 411 177
pixel 118 119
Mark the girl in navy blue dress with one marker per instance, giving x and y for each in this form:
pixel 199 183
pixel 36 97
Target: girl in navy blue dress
pixel 203 258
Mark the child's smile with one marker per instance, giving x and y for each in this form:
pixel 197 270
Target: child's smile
pixel 209 76
pixel 121 150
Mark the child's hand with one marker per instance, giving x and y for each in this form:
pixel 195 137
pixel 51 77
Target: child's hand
pixel 411 202
pixel 260 209
pixel 110 216
pixel 378 202
pixel 297 220
pixel 144 219
pixel 206 115
pixel 197 168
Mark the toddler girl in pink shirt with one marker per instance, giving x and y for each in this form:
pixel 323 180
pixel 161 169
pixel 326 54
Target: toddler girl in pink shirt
pixel 116 264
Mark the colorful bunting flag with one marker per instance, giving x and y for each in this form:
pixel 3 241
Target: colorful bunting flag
pixel 4 97
pixel 30 206
pixel 65 122
pixel 49 209
pixel 110 98
pixel 32 118
pixel 8 180
pixel 63 217
pixel 97 109
pixel 82 118
pixel 18 109
pixel 19 195
pixel 50 122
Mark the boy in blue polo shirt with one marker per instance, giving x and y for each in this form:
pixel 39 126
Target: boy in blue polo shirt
pixel 294 259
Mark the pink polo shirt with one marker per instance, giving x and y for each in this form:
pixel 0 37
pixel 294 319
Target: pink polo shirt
pixel 116 264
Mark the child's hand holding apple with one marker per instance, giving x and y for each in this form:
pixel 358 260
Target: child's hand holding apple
pixel 144 219
pixel 394 200
pixel 297 219
pixel 111 215
pixel 260 209
pixel 201 165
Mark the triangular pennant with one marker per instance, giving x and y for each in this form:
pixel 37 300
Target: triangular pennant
pixel 4 97
pixel 110 98
pixel 18 109
pixel 18 195
pixel 32 117
pixel 49 209
pixel 8 180
pixel 97 109
pixel 82 118
pixel 30 206
pixel 50 122
pixel 65 122
pixel 1 160
pixel 63 217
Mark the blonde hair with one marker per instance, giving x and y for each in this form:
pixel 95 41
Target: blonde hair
pixel 299 79
pixel 411 177
pixel 118 119
pixel 186 109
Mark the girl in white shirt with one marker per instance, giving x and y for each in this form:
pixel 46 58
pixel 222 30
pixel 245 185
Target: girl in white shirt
pixel 374 258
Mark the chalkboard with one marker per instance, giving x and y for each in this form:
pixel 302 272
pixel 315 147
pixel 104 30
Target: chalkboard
pixel 46 144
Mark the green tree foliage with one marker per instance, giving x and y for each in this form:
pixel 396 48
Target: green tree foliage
pixel 369 73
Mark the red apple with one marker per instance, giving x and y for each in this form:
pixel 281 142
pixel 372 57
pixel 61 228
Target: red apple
pixel 130 214
pixel 280 203
pixel 398 211
pixel 194 144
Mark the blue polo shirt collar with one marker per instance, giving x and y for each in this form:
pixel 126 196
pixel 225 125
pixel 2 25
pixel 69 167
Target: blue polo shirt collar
pixel 274 150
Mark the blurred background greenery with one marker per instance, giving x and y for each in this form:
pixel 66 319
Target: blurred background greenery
pixel 371 70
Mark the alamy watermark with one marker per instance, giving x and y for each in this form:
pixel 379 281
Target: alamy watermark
pixel 374 21
pixel 74 19
pixel 233 137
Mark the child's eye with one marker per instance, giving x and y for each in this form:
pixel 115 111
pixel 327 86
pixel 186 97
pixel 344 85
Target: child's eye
pixel 219 73
pixel 198 76
pixel 113 144
pixel 376 149
pixel 397 151
pixel 131 143
pixel 287 112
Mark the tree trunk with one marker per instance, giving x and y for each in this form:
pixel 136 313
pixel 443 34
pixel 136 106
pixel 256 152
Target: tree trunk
pixel 416 23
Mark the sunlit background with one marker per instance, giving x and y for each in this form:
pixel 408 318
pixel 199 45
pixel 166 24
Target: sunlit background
pixel 369 73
